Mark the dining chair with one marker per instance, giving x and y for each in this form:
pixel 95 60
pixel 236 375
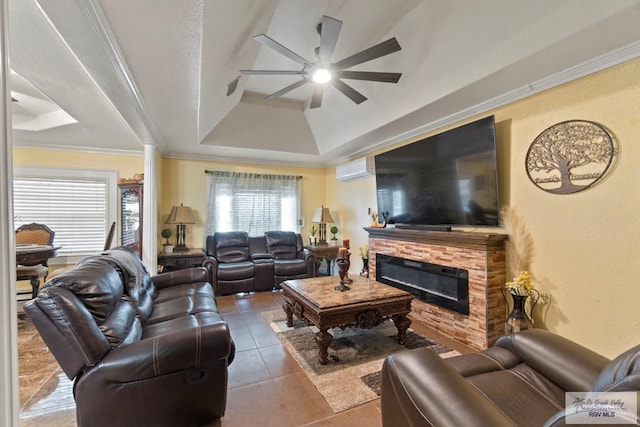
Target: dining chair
pixel 34 234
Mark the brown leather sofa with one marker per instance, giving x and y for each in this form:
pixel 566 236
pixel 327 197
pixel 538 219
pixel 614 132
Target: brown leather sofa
pixel 521 381
pixel 142 350
pixel 239 263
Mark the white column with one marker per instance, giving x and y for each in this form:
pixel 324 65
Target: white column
pixel 150 210
pixel 9 402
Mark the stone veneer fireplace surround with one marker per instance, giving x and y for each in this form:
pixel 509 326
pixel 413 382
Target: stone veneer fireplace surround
pixel 482 254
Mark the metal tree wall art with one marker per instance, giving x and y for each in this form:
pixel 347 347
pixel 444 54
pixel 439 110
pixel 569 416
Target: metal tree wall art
pixel 570 156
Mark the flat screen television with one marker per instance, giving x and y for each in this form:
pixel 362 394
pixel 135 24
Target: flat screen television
pixel 445 180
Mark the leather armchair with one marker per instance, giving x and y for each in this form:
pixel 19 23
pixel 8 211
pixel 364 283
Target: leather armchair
pixel 290 259
pixel 520 381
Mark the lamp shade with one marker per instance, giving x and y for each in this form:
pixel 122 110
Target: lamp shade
pixel 322 215
pixel 181 215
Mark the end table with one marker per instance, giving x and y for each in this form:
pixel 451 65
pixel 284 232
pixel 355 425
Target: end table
pixel 181 260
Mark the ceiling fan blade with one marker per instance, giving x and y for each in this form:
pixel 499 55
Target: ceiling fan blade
pixel 272 44
pixel 381 49
pixel 371 76
pixel 316 98
pixel 328 38
pixel 273 72
pixel 288 89
pixel 350 92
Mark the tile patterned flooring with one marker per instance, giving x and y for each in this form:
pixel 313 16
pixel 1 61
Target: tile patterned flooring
pixel 263 380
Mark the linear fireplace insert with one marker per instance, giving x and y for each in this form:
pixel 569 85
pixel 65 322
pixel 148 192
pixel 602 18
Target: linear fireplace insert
pixel 447 287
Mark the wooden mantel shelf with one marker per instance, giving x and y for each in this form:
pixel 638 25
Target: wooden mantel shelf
pixel 468 239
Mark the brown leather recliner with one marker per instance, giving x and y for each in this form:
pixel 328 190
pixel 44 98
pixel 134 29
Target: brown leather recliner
pixel 142 350
pixel 521 381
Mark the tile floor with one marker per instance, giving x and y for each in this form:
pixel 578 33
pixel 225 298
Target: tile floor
pixel 266 385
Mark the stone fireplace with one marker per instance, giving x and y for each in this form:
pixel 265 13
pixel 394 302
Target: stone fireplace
pixel 475 258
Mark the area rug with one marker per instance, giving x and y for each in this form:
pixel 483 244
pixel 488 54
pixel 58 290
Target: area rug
pixel 352 375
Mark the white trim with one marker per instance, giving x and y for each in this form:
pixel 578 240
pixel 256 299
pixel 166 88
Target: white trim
pixel 9 398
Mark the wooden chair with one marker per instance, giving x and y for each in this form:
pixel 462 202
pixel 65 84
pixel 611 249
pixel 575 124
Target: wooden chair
pixel 34 234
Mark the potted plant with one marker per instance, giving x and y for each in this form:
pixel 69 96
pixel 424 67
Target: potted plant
pixel 312 235
pixel 167 247
pixel 334 239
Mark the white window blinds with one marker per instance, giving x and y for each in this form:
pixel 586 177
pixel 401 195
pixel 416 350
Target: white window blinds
pixel 77 209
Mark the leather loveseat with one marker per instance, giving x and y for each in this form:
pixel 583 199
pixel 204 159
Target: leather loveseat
pixel 521 381
pixel 142 350
pixel 239 263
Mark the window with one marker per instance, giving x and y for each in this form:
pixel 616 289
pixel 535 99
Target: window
pixel 79 205
pixel 254 203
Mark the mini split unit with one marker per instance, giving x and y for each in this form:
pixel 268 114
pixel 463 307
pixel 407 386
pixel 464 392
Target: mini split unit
pixel 359 168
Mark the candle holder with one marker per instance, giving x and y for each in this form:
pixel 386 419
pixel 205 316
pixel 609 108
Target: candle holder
pixel 343 272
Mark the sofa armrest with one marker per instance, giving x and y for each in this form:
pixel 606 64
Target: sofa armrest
pixel 257 256
pixel 420 388
pixel 180 277
pixel 179 351
pixel 310 258
pixel 566 363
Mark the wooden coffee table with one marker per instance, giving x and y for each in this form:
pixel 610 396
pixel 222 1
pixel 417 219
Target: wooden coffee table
pixel 366 305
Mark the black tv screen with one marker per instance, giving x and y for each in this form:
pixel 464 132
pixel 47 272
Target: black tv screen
pixel 449 179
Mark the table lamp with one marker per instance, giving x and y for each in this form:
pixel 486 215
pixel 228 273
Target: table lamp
pixel 181 215
pixel 322 217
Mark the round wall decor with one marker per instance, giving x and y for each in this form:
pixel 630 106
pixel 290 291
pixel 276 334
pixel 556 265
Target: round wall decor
pixel 570 156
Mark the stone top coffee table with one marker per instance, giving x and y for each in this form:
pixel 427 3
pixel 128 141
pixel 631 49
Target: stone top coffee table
pixel 366 305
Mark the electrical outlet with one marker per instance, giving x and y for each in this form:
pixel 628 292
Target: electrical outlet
pixel 301 222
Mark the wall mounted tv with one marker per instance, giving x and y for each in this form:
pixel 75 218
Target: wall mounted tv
pixel 445 180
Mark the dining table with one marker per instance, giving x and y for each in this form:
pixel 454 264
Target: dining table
pixel 30 254
pixel 27 257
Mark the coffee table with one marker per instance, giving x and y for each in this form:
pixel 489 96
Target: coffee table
pixel 366 305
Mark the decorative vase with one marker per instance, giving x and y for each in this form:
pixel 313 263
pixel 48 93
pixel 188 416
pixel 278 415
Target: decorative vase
pixel 343 272
pixel 365 268
pixel 519 319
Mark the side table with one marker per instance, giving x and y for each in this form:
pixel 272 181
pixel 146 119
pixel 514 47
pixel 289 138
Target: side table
pixel 326 252
pixel 180 260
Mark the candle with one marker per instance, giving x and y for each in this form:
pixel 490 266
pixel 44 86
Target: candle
pixel 342 252
pixel 345 243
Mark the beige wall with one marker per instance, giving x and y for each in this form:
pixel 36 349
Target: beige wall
pixel 587 244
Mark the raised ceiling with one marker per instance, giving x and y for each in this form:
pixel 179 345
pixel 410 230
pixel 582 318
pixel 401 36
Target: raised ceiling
pixel 135 72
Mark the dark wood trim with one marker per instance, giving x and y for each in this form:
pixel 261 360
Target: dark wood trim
pixel 462 239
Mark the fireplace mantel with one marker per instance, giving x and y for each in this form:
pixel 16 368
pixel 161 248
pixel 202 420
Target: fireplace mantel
pixel 481 254
pixel 469 239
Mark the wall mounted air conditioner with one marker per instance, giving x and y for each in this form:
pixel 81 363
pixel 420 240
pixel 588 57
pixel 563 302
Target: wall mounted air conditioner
pixel 359 168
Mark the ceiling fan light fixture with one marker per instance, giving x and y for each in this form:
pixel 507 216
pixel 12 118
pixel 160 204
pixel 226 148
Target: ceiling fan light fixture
pixel 321 75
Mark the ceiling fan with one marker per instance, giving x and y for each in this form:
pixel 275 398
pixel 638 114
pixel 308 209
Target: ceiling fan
pixel 323 70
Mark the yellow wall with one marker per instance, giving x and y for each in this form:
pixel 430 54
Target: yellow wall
pixel 586 244
pixel 184 181
pixel 126 166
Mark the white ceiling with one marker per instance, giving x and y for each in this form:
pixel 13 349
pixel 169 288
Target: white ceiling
pixel 135 72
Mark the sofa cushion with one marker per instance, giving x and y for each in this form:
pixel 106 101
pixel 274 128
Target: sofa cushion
pixel 95 283
pixel 185 290
pixel 122 326
pixel 236 271
pixel 282 244
pixel 622 374
pixel 231 246
pixel 290 267
pixel 180 323
pixel 181 306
